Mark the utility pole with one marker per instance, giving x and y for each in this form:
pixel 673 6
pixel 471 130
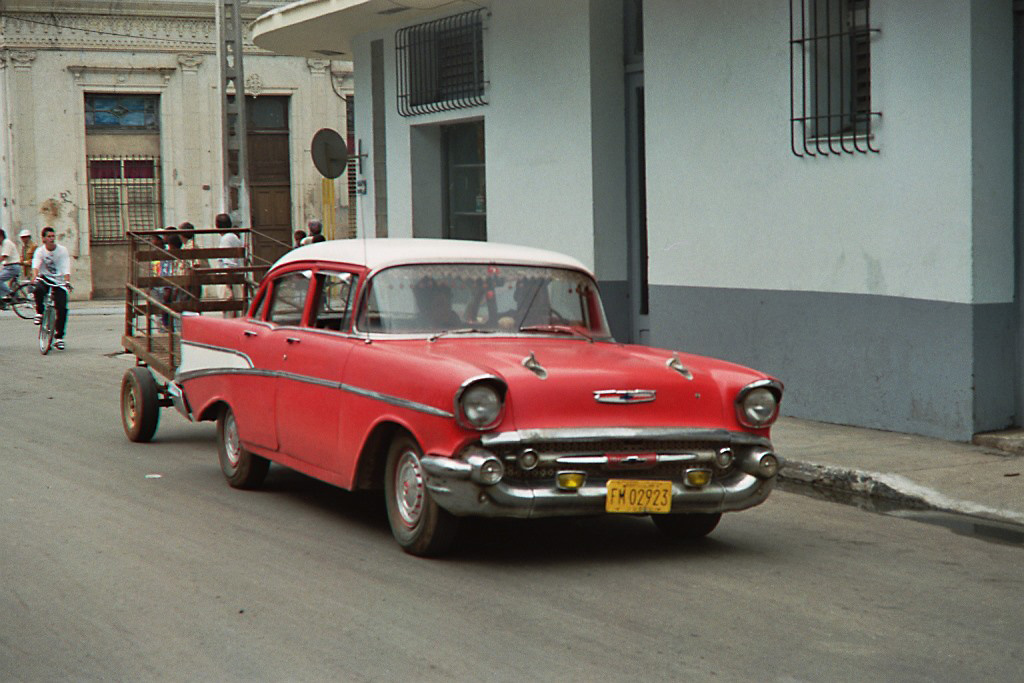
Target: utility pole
pixel 233 120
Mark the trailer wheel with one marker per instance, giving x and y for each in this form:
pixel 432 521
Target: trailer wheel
pixel 140 404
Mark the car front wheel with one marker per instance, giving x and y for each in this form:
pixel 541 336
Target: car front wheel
pixel 687 527
pixel 419 524
pixel 242 469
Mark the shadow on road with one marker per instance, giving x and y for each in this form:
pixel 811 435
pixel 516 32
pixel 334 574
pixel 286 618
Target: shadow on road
pixel 611 539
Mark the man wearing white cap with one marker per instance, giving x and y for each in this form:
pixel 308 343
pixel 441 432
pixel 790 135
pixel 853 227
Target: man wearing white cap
pixel 10 264
pixel 28 248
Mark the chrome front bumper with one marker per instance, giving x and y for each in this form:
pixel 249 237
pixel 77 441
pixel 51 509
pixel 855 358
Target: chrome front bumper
pixel 454 484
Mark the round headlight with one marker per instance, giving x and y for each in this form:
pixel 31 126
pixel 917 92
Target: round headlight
pixel 758 407
pixel 480 405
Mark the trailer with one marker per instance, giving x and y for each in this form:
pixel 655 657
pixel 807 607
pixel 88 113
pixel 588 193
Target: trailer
pixel 164 283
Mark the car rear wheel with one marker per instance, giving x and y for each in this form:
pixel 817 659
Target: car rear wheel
pixel 242 469
pixel 419 524
pixel 687 527
pixel 140 404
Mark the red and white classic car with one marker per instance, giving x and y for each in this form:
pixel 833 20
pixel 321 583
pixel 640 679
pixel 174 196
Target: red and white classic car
pixel 472 379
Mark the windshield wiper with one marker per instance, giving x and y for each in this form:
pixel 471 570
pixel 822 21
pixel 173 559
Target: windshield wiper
pixel 557 329
pixel 460 330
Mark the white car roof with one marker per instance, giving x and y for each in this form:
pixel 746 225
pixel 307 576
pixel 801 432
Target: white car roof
pixel 378 253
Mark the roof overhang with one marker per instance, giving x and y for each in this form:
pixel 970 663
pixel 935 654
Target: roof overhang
pixel 324 29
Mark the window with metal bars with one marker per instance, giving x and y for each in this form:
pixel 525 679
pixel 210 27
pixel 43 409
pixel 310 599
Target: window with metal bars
pixel 830 77
pixel 124 194
pixel 441 64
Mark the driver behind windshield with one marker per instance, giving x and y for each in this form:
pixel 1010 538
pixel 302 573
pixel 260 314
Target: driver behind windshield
pixel 434 304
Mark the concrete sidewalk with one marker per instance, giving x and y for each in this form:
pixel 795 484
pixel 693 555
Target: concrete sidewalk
pixel 903 470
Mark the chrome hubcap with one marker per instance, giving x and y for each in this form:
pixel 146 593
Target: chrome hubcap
pixel 409 488
pixel 232 447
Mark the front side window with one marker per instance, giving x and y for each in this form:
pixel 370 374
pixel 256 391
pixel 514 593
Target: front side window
pixel 288 298
pixel 333 301
pixel 441 64
pixel 830 75
pixel 484 298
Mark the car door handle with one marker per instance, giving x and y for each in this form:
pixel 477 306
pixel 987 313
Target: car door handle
pixel 249 333
pixel 293 340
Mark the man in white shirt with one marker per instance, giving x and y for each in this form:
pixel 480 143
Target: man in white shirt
pixel 51 270
pixel 228 240
pixel 10 264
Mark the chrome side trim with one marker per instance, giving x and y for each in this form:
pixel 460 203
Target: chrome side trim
pixel 316 381
pixel 570 435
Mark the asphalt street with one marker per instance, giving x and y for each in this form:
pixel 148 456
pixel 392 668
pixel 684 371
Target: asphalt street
pixel 122 561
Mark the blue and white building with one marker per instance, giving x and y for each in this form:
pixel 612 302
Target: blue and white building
pixel 827 190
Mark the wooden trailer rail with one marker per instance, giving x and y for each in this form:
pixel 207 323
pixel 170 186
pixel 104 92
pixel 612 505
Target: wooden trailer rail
pixel 163 282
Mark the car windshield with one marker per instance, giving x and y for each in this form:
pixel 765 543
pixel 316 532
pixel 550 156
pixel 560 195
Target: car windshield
pixel 484 298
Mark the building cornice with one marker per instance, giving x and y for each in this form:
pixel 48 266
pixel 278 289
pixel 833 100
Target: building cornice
pixel 152 8
pixel 66 31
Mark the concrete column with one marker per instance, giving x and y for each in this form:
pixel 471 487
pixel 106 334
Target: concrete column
pixel 22 138
pixel 187 156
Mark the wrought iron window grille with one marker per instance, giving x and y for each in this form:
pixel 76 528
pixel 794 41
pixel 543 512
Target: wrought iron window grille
pixel 124 194
pixel 440 64
pixel 830 78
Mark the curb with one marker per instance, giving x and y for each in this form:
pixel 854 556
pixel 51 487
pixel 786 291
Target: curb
pixel 880 492
pixel 849 483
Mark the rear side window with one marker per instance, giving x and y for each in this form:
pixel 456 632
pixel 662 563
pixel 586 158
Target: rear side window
pixel 288 298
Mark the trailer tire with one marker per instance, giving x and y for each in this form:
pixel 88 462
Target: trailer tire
pixel 140 404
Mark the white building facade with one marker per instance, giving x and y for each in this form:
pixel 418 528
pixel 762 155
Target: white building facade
pixel 111 122
pixel 826 190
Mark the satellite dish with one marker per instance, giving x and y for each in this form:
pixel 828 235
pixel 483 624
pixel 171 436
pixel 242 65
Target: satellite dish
pixel 330 153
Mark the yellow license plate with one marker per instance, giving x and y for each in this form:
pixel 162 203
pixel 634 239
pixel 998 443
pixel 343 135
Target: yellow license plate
pixel 638 496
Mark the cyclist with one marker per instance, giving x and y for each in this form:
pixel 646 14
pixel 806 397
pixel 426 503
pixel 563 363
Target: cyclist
pixel 51 269
pixel 10 266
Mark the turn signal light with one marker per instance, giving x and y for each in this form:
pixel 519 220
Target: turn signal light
pixel 570 481
pixel 698 478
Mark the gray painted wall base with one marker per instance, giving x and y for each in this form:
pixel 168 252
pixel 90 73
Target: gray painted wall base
pixel 907 365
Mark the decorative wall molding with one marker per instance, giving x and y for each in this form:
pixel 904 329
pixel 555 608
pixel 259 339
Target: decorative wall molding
pixel 318 66
pixel 21 59
pixel 112 32
pixel 120 75
pixel 190 61
pixel 253 85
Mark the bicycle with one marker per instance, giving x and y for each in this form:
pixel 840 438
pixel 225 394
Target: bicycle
pixel 48 326
pixel 21 301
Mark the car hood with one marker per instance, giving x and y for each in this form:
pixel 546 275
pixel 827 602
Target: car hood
pixel 561 383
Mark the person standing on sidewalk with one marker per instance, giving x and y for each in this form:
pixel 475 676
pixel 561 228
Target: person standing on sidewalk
pixel 51 270
pixel 28 250
pixel 10 265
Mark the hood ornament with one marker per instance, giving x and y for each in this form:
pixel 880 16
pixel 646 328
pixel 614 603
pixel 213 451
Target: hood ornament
pixel 625 395
pixel 531 364
pixel 678 366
